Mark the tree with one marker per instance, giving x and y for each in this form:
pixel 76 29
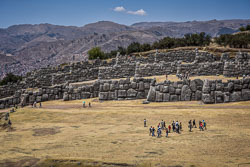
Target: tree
pixel 95 53
pixel 10 78
pixel 242 29
pixel 133 47
pixel 145 47
pixel 241 40
pixel 248 27
pixel 122 50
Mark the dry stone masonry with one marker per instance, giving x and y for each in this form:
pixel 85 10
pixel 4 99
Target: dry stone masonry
pixel 54 83
pixel 176 91
pixel 124 89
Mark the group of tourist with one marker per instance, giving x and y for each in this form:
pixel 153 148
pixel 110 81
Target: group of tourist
pixel 202 125
pixel 34 105
pixel 84 105
pixel 174 126
pixel 184 76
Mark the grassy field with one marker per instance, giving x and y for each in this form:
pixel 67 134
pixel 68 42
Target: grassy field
pixel 112 134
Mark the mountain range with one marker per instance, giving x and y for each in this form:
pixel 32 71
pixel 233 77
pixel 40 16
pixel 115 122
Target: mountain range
pixel 27 47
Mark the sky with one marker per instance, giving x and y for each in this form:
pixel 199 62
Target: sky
pixel 82 12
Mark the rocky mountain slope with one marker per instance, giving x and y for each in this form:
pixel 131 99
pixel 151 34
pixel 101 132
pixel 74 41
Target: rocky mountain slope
pixel 36 46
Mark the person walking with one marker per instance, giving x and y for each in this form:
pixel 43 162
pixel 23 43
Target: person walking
pixel 173 126
pixel 177 126
pixel 9 122
pixel 169 128
pixel 166 132
pixel 83 104
pixel 200 126
pixel 204 125
pixel 190 126
pixel 145 122
pixel 153 131
pixel 159 132
pixel 162 124
pixel 150 131
pixel 194 125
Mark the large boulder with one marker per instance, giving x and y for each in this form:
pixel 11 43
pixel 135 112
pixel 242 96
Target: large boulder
pixel 141 86
pixel 131 93
pixel 226 97
pixel 230 86
pixel 85 95
pixel 158 96
pixel 65 96
pixel 235 96
pixel 151 94
pixel 207 98
pixel 193 86
pixel 103 95
pixel 219 86
pixel 178 91
pixel 106 87
pixel 219 97
pixel 122 93
pixel 171 90
pixel 173 98
pixel 245 94
pixel 45 97
pixel 237 87
pixel 186 93
pixel 2 106
pixel 112 96
pixel 166 97
pixel 133 85
pixel 146 85
pixel 165 89
pixel 206 87
pixel 140 95
pixel 198 95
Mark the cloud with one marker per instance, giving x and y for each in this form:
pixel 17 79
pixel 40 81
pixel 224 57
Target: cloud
pixel 140 12
pixel 119 9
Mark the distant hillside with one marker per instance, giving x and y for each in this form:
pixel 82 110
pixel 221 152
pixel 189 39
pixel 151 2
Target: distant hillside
pixel 178 29
pixel 36 46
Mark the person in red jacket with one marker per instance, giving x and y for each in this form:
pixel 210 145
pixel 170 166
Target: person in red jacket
pixel 201 126
pixel 169 128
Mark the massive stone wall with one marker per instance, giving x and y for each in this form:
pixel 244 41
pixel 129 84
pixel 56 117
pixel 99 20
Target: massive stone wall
pixel 175 91
pixel 208 91
pixel 198 69
pixel 117 71
pixel 193 62
pixel 45 77
pixel 216 91
pixel 233 69
pixel 155 69
pixel 75 72
pixel 26 97
pixel 124 89
pixel 81 92
pixel 180 55
pixel 10 89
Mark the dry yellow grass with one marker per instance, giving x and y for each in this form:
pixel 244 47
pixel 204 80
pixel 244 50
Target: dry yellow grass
pixel 113 131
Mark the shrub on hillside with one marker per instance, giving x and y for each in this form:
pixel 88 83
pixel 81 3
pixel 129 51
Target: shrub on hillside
pixel 10 78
